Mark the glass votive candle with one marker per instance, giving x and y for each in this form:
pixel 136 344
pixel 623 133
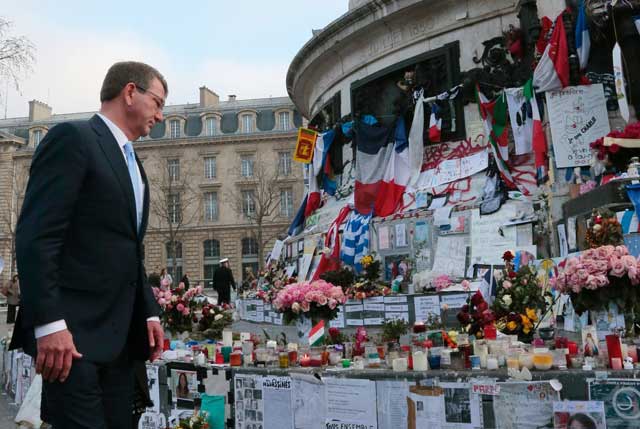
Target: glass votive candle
pixel 226 353
pixel 235 359
pixel 399 364
pixel 373 360
pixel 283 359
pixel 543 360
pixel 346 363
pixel 577 361
pixel 492 362
pixel 481 349
pixel 465 349
pixel 616 363
pixel 560 358
pixel 632 352
pixel 445 358
pixel 434 361
pixel 475 361
pixel 458 360
pixel 513 361
pixel 420 360
pixel 526 360
pixel 334 357
pixel 305 360
pixel 316 357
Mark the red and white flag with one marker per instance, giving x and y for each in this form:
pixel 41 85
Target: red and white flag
pixel 552 71
pixel 396 175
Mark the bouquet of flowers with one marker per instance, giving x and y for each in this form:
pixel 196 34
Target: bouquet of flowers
pixel 316 300
pixel 197 421
pixel 272 281
pixel 604 229
pixel 615 155
pixel 368 284
pixel 600 276
pixel 178 306
pixel 475 315
pixel 214 319
pixel 519 298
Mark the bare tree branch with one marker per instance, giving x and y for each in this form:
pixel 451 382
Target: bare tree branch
pixel 168 219
pixel 9 218
pixel 17 55
pixel 265 185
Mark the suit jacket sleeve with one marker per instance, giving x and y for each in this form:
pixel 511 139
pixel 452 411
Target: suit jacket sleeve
pixel 57 174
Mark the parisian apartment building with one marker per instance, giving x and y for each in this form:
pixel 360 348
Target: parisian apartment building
pixel 221 176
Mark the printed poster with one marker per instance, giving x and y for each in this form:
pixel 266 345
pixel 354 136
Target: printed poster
pixel 249 406
pixel 308 402
pixel 277 402
pixel 351 402
pixel 392 403
pixel 582 414
pixel 578 116
pixel 526 405
pixel 621 399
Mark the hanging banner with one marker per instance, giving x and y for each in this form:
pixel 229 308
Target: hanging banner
pixel 305 145
pixel 578 116
pixel 618 74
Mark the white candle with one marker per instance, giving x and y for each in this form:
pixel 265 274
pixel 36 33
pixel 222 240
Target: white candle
pixel 420 361
pixel 492 363
pixel 399 364
pixel 227 338
pixel 272 344
pixel 482 350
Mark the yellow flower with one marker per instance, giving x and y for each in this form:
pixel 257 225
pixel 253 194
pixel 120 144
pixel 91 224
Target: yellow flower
pixel 531 314
pixel 512 326
pixel 526 329
pixel 526 321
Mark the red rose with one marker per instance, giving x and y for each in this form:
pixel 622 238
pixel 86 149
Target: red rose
pixel 477 298
pixel 464 318
pixel 334 332
pixel 508 256
pixel 512 274
pixel 482 306
pixel 465 308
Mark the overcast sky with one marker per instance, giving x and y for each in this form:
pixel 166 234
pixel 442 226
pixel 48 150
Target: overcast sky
pixel 241 47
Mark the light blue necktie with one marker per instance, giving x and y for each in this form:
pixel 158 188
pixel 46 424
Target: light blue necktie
pixel 135 180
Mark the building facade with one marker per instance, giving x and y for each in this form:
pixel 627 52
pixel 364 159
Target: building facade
pixel 216 170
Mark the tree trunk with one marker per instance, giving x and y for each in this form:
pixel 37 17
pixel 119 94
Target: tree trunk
pixel 260 248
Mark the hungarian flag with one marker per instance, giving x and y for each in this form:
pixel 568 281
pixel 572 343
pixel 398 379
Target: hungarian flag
pixel 552 72
pixel 539 140
pixel 583 41
pixel 374 151
pixel 396 174
pixel 435 124
pixel 316 334
pixel 493 114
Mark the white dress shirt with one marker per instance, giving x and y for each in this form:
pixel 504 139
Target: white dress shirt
pixel 121 139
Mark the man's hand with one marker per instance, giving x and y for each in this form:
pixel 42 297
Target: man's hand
pixel 156 339
pixel 55 355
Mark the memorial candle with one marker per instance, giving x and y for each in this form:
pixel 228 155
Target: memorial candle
pixel 420 361
pixel 305 360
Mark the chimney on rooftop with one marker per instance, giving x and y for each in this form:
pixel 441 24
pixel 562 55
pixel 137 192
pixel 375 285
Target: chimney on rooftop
pixel 38 111
pixel 208 98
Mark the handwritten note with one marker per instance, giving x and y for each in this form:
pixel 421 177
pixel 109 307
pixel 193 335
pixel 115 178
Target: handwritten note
pixel 451 255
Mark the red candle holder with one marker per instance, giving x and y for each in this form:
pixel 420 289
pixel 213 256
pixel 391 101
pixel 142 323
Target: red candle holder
pixel 490 332
pixel 614 348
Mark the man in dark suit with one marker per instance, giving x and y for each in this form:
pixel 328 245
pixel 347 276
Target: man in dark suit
pixel 223 282
pixel 88 311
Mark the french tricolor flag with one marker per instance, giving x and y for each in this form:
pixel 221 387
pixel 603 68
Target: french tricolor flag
pixel 552 72
pixel 396 175
pixel 583 41
pixel 435 124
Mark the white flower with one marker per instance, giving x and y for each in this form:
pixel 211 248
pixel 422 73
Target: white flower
pixel 174 299
pixel 497 274
pixel 506 299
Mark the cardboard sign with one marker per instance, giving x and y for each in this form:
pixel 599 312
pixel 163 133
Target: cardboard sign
pixel 305 145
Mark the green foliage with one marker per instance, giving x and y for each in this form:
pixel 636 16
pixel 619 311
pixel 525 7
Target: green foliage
pixel 342 277
pixel 392 330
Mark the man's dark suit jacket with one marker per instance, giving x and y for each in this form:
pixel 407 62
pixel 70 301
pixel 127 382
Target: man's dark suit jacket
pixel 78 252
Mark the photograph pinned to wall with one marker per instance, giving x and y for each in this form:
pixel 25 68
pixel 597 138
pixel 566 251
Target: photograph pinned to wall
pixel 384 242
pixel 401 235
pixel 184 386
pixel 461 407
pixel 249 405
pixel 397 265
pixel 153 384
pixel 422 232
pixel 621 398
pixel 152 420
pixel 579 414
pixel 562 240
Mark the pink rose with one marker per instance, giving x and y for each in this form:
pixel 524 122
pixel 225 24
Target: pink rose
pixel 466 285
pixel 162 301
pixel 180 307
pixel 305 306
pixel 604 252
pixel 332 303
pixel 618 269
pixel 185 312
pixel 582 276
pixel 621 251
pixel 507 284
pixel 633 272
pixel 589 254
pixel 322 300
pixel 180 286
pixel 591 282
pixel 629 261
pixel 602 280
pixel 571 263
